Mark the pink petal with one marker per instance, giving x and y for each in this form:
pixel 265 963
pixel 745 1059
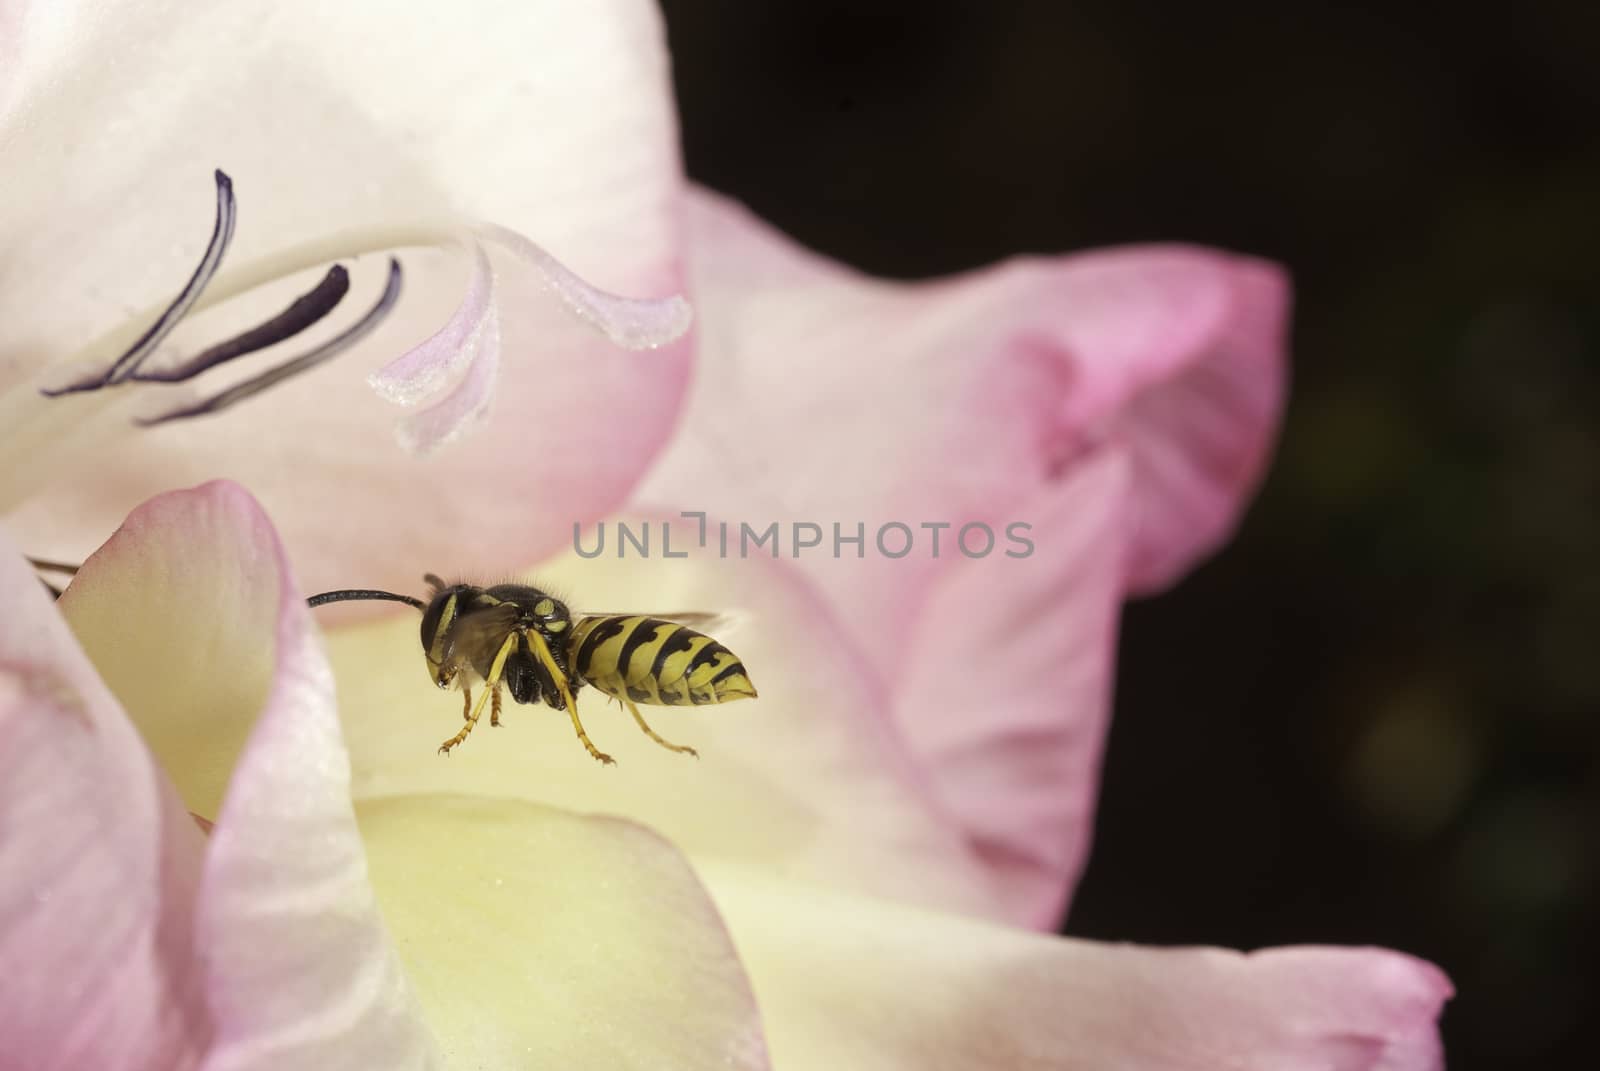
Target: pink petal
pixel 1016 752
pixel 956 400
pixel 849 982
pixel 829 398
pixel 301 972
pixel 552 119
pixel 98 864
pixel 1200 439
pixel 205 635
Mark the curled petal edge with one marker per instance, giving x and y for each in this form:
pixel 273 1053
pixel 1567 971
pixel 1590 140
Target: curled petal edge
pixel 632 323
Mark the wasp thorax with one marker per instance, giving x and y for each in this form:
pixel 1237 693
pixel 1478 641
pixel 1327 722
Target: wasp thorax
pixel 552 615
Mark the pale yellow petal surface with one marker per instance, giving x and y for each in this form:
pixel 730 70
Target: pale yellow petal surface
pixel 537 939
pixel 808 781
pixel 849 982
pixel 178 611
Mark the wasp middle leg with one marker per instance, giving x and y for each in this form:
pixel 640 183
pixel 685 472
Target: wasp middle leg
pixel 542 653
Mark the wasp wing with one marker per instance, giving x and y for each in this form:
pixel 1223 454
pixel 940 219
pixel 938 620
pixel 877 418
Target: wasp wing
pixel 474 638
pixel 706 621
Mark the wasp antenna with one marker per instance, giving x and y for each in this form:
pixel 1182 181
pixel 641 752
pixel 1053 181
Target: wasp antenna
pixel 364 594
pixel 433 581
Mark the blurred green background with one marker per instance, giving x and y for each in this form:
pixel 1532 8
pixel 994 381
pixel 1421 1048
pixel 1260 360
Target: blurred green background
pixel 1373 718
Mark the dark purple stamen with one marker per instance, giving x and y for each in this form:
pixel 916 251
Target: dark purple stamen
pixel 334 346
pixel 307 310
pixel 127 364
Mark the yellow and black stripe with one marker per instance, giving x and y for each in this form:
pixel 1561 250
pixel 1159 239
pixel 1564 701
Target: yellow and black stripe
pixel 651 660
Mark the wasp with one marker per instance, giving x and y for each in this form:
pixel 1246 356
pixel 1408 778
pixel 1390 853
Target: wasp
pixel 526 641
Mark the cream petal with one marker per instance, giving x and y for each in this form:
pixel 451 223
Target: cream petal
pixel 810 779
pixel 179 611
pixel 348 129
pixel 98 864
pixel 848 982
pixel 539 939
pixel 11 16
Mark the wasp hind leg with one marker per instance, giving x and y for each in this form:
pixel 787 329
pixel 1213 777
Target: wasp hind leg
pixel 466 703
pixel 491 686
pixel 652 734
pixel 494 708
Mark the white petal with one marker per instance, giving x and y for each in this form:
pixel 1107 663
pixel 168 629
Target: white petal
pixel 345 128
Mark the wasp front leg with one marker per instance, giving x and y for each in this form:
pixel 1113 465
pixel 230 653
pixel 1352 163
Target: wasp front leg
pixel 494 708
pixel 492 687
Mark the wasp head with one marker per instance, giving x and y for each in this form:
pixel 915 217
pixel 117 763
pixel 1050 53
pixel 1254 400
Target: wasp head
pixel 436 647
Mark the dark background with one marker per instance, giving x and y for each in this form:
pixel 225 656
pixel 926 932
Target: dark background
pixel 1372 719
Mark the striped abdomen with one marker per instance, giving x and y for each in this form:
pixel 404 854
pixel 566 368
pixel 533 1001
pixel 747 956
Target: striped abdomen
pixel 649 660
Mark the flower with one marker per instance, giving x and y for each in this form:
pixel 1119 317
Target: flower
pixel 512 935
pixel 917 779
